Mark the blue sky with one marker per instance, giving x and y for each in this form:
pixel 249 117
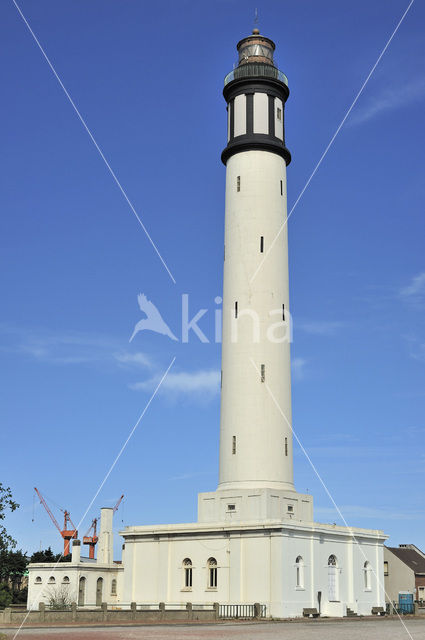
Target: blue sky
pixel 147 78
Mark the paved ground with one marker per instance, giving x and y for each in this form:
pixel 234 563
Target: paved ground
pixel 383 629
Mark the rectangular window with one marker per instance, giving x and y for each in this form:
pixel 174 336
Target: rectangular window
pixel 262 244
pixel 263 373
pixel 213 578
pixel 233 445
pixel 238 183
pixel 283 313
pixel 281 187
pixel 279 113
pixel 236 309
pixel 188 577
pixel 286 446
pixel 231 507
pixel 290 508
pixel 386 568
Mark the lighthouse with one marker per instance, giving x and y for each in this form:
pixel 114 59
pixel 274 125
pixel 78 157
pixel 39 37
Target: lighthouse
pixel 256 458
pixel 255 430
pixel 255 540
pixel 255 548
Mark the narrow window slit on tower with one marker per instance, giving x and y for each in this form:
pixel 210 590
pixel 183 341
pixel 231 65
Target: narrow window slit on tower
pixel 262 244
pixel 236 309
pixel 238 183
pixel 286 446
pixel 263 373
pixel 279 113
pixel 281 187
pixel 233 445
pixel 283 313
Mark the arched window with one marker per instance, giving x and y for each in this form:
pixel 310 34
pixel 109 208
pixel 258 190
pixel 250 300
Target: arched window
pixel 113 587
pixel 299 565
pixel 65 580
pixel 52 580
pixel 38 580
pixel 81 591
pixel 212 573
pixel 366 575
pixel 332 579
pixel 187 570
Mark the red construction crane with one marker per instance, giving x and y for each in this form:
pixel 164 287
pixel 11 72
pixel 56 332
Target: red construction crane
pixel 66 533
pixel 92 539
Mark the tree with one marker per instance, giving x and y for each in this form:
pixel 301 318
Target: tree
pixel 13 565
pixel 6 502
pixel 5 596
pixel 47 555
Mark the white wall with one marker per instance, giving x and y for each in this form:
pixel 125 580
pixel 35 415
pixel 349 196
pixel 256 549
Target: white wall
pixel 261 113
pixel 255 564
pixel 278 123
pixel 39 592
pixel 240 115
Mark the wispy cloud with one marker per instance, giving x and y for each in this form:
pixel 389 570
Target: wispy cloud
pixel 138 359
pixel 390 98
pixel 417 349
pixel 203 383
pixel 415 291
pixel 64 348
pixel 69 348
pixel 360 511
pixel 319 328
pixel 298 367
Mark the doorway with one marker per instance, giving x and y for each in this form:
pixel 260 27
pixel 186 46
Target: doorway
pixel 81 592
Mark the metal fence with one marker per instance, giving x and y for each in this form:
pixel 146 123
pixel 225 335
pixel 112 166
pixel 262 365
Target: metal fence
pixel 242 611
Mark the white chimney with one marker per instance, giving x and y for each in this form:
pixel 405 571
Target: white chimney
pixel 76 551
pixel 105 549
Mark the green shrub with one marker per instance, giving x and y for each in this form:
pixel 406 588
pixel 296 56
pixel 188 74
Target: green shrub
pixel 5 596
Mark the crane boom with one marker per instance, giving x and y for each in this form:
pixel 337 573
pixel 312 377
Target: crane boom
pixel 45 505
pixel 67 534
pixel 118 503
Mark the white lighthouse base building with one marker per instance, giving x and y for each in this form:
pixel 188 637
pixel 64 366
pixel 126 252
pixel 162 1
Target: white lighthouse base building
pixel 284 561
pixel 263 548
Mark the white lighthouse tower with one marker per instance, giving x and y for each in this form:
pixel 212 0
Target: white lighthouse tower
pixel 256 461
pixel 256 439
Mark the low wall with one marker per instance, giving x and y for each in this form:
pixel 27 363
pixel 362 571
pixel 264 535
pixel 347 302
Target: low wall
pixel 134 612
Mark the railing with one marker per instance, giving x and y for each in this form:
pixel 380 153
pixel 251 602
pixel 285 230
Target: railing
pixel 145 606
pixel 255 70
pixel 242 611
